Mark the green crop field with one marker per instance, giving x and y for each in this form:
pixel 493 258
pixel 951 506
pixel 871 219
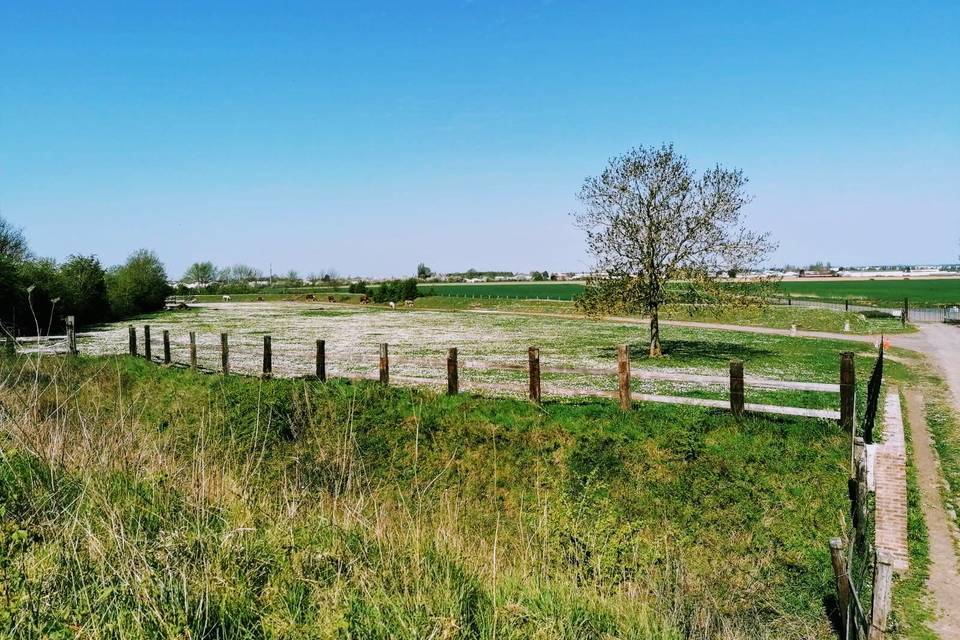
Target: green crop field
pixel 880 292
pixel 928 292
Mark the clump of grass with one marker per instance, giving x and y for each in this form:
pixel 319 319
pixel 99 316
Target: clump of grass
pixel 140 501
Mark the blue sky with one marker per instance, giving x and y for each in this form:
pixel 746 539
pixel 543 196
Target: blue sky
pixel 367 137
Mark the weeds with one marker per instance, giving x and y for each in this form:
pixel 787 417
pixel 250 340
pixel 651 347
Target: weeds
pixel 142 502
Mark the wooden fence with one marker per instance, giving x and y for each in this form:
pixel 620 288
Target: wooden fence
pixel 852 564
pixel 736 382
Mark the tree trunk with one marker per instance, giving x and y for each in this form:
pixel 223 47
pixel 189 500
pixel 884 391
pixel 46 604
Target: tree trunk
pixel 655 351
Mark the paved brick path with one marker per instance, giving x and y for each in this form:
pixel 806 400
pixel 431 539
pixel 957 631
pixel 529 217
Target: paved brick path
pixel 890 471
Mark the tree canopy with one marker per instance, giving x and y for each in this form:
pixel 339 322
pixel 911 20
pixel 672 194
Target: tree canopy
pixel 652 221
pixel 201 273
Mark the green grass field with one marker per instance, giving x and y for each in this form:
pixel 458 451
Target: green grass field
pixel 930 292
pixel 158 503
pixel 150 502
pixel 938 292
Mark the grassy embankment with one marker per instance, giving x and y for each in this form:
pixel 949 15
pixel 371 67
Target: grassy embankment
pixel 147 502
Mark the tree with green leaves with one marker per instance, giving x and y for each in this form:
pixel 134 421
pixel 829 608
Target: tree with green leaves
pixel 138 286
pixel 13 244
pixel 240 273
pixel 84 289
pixel 423 271
pixel 658 229
pixel 200 273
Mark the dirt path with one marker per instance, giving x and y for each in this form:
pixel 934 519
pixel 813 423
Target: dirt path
pixel 944 579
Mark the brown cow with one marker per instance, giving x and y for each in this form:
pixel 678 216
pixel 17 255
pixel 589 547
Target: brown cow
pixel 331 299
pixel 364 299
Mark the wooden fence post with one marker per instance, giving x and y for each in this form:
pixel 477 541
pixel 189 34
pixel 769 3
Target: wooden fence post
pixel 623 375
pixel 736 388
pixel 146 342
pixel 453 374
pixel 133 340
pixel 846 305
pixel 166 346
pixel 840 572
pixel 848 392
pixel 267 357
pixel 858 450
pixel 905 314
pixel 322 360
pixel 533 360
pixel 858 490
pixel 882 592
pixel 193 350
pixel 384 364
pixel 71 335
pixel 224 354
pixel 10 345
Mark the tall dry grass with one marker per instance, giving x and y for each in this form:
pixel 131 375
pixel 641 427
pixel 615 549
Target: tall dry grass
pixel 139 503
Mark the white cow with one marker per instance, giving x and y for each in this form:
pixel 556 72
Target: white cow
pixel 393 305
pixel 226 298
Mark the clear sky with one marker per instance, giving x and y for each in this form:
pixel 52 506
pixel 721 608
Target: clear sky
pixel 367 137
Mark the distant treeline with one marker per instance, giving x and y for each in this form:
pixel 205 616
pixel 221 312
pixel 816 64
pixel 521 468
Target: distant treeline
pixel 37 294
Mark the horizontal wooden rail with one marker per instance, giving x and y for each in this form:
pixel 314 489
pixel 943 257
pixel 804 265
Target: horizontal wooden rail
pixel 452 382
pixel 643 374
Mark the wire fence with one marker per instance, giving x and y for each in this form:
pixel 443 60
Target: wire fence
pixel 905 311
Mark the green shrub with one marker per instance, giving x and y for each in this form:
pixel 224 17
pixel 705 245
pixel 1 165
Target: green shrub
pixel 397 291
pixel 138 286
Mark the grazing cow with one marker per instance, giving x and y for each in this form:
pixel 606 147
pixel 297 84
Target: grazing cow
pixel 330 299
pixel 364 299
pixel 310 296
pixel 259 298
pixel 226 298
pixel 408 303
pixel 393 305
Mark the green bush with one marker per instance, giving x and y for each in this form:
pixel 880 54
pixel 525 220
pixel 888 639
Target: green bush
pixel 397 291
pixel 138 286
